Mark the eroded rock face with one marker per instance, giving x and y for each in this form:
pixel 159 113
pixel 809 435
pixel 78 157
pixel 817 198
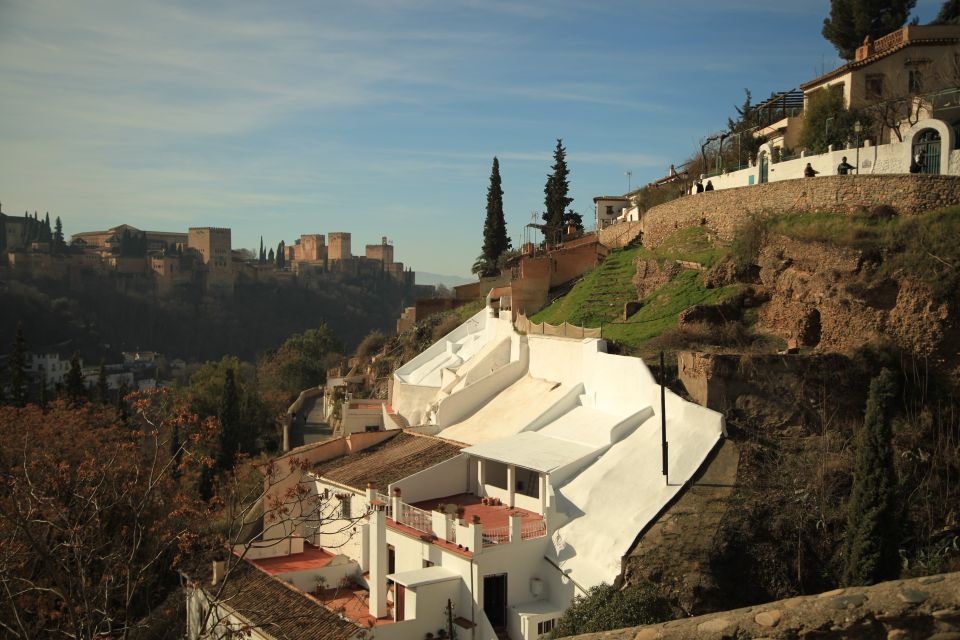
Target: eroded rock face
pixel 823 296
pixel 651 275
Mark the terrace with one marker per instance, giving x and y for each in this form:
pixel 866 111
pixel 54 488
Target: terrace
pixel 442 521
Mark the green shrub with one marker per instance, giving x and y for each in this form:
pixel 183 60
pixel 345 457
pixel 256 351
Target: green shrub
pixel 605 607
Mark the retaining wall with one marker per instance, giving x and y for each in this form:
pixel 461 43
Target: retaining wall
pixel 724 211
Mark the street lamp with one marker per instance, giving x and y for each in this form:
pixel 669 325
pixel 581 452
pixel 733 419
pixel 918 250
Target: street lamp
pixel 857 128
pixel 629 175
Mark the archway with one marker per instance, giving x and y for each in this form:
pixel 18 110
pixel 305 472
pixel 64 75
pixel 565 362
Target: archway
pixel 926 148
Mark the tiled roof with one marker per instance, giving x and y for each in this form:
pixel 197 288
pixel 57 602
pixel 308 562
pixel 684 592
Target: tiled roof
pixel 279 610
pixel 397 458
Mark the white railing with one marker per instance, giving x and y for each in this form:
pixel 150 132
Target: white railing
pixel 385 499
pixel 414 518
pixel 496 535
pixel 536 529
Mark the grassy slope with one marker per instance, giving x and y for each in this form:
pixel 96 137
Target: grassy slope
pixel 599 297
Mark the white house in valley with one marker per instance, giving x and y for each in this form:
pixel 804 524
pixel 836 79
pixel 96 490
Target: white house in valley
pixel 532 465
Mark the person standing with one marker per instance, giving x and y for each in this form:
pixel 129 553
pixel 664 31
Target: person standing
pixel 809 171
pixel 844 167
pixel 699 186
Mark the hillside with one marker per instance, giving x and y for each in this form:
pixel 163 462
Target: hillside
pixel 857 293
pixel 100 320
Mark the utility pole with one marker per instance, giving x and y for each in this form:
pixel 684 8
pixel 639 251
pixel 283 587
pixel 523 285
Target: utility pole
pixel 629 175
pixel 663 418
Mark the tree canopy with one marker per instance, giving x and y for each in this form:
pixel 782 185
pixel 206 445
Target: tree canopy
pixel 827 121
pixel 555 192
pixel 605 608
pixel 851 21
pixel 872 540
pixel 949 13
pixel 299 363
pixel 495 239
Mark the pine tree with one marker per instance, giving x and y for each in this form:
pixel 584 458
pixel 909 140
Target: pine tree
pixel 851 21
pixel 556 199
pixel 229 414
pixel 58 242
pixel 270 257
pixel 17 366
pixel 949 13
pixel 495 240
pixel 75 389
pixel 103 391
pixel 871 543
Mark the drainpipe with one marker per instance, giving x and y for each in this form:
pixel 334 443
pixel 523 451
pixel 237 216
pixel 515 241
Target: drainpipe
pixel 378 562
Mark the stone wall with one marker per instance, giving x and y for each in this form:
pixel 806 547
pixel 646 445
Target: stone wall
pixel 619 235
pixel 724 211
pixel 899 610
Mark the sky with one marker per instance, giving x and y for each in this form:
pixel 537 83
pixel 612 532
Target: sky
pixel 374 117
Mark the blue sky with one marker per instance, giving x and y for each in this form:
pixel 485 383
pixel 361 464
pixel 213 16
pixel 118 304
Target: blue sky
pixel 377 117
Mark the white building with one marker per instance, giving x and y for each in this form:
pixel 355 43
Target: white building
pixel 607 209
pixel 48 366
pixel 533 465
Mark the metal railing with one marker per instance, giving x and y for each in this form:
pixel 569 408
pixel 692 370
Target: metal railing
pixel 414 518
pixel 385 499
pixel 535 529
pixel 496 535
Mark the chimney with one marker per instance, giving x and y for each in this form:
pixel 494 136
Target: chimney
pixel 219 571
pixel 378 562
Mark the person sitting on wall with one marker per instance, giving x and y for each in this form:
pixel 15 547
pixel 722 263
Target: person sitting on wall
pixel 709 186
pixel 809 172
pixel 916 163
pixel 844 167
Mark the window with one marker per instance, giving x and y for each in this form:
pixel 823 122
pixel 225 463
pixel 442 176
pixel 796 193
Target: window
pixel 609 209
pixel 915 81
pixel 345 508
pixel 545 626
pixel 874 84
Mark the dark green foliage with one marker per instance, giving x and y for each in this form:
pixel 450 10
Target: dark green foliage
pixel 263 252
pixel 555 192
pixel 103 391
pixel 851 21
pixel 827 121
pixel 271 257
pixel 17 368
pixel 73 383
pixel 605 608
pixel 58 242
pixel 571 217
pixel 495 240
pixel 870 552
pixel 229 414
pixel 949 13
pixel 281 255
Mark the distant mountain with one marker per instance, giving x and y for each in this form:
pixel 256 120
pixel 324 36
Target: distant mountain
pixel 424 277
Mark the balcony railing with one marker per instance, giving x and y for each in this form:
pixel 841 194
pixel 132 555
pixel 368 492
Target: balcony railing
pixel 535 529
pixel 496 535
pixel 414 518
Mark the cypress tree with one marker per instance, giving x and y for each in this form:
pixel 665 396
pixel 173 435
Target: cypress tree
pixel 17 365
pixel 263 253
pixel 229 415
pixel 58 242
pixel 872 540
pixel 103 391
pixel 75 389
pixel 281 257
pixel 270 257
pixel 556 199
pixel 495 240
pixel 851 21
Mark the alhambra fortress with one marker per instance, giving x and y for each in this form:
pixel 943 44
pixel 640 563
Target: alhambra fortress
pixel 201 257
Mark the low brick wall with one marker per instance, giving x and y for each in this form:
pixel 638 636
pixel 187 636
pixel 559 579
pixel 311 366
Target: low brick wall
pixel 724 211
pixel 917 608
